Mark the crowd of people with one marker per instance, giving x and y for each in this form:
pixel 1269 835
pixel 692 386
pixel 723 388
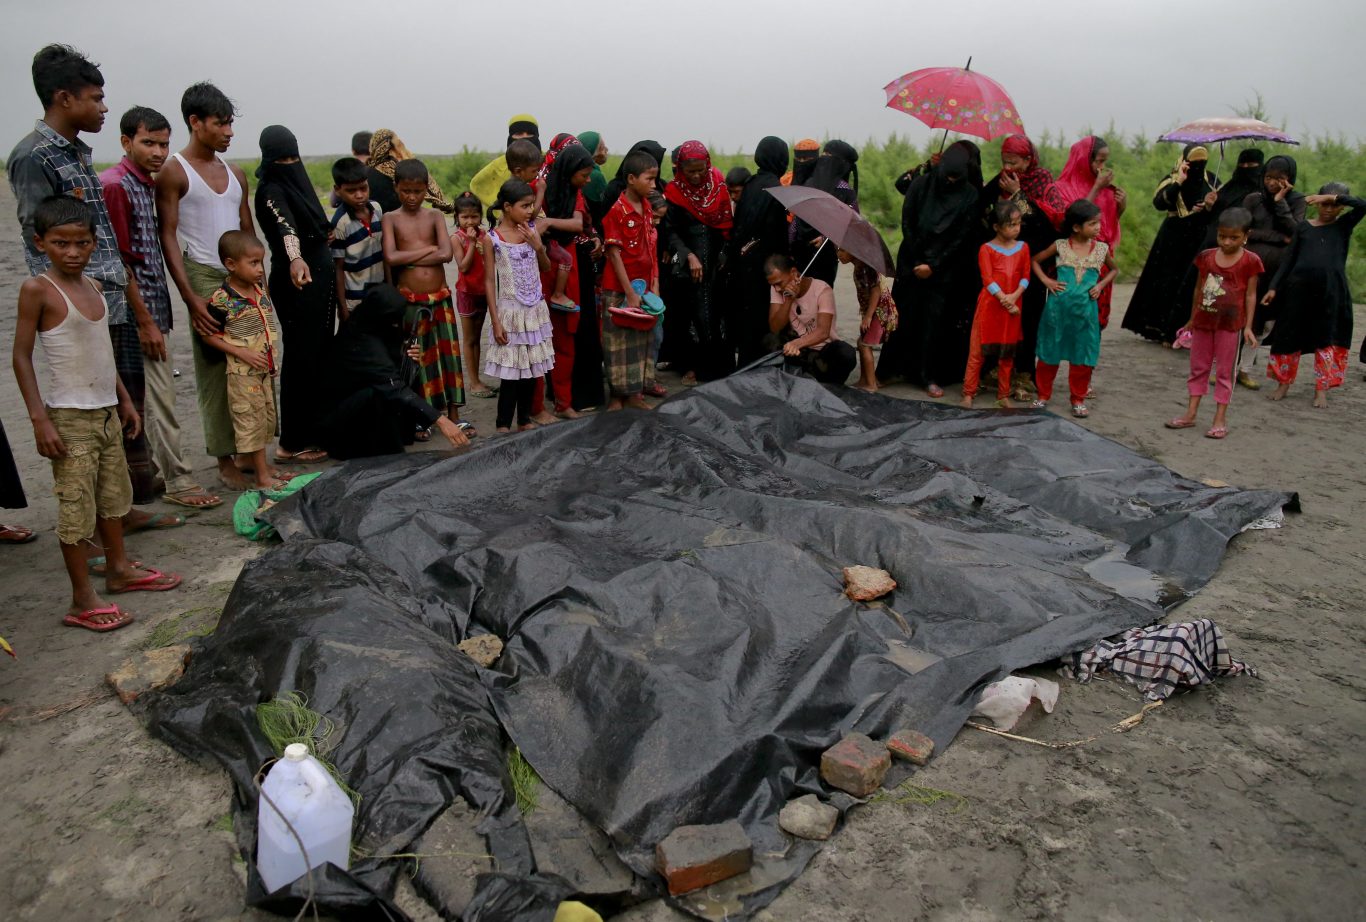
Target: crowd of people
pixel 573 289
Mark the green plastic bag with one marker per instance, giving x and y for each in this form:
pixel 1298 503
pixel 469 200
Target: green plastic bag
pixel 244 520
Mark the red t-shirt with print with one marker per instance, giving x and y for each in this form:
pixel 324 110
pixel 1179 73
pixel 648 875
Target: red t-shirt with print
pixel 1221 291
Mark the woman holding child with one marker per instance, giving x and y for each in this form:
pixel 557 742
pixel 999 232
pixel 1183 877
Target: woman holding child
pixel 302 285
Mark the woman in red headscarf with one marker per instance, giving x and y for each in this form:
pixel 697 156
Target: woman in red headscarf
pixel 699 220
pixel 1086 176
pixel 1023 181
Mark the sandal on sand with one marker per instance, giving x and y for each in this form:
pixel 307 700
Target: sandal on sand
pixel 16 534
pixel 485 392
pixel 1179 422
pixel 422 435
pixel 153 581
pixel 1080 411
pixel 656 390
pixel 1217 432
pixel 934 390
pixel 193 498
pixel 1038 404
pixel 86 619
pixel 157 521
pixel 307 456
pixel 96 565
pixel 467 428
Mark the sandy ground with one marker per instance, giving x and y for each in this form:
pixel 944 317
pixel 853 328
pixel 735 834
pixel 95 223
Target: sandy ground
pixel 1242 801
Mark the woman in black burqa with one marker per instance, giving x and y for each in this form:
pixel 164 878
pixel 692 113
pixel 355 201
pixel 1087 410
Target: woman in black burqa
pixel 935 286
pixel 371 410
pixel 303 287
pixel 836 173
pixel 1157 309
pixel 760 232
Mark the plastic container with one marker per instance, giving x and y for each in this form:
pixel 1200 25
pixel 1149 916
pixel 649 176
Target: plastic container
pixel 319 811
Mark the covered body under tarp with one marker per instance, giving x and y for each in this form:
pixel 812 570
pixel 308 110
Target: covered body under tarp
pixel 668 585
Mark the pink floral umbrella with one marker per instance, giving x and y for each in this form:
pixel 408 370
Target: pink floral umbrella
pixel 956 99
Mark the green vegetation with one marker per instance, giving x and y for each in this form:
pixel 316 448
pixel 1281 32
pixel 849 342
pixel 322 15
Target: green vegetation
pixel 197 622
pixel 1140 163
pixel 525 782
pixel 288 719
pixel 907 794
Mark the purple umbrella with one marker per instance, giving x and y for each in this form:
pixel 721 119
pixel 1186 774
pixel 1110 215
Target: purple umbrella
pixel 1211 130
pixel 838 224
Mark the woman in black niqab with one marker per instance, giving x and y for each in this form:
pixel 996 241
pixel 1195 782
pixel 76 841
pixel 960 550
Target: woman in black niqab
pixel 760 231
pixel 935 272
pixel 371 410
pixel 836 173
pixel 302 286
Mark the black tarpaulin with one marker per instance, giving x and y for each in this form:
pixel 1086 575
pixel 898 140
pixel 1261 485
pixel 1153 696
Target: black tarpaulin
pixel 668 586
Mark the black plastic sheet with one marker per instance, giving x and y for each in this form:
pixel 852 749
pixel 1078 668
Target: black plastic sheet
pixel 668 585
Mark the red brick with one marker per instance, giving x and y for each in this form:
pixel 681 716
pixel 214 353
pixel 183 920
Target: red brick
pixel 692 857
pixel 863 584
pixel 855 764
pixel 911 745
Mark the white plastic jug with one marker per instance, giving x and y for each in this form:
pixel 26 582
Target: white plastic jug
pixel 315 805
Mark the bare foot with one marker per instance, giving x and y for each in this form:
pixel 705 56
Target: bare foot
pixel 1279 393
pixel 637 403
pixel 233 479
pixel 1321 399
pixel 966 403
pixel 615 404
pixel 502 430
pixel 543 418
pixel 528 427
pixel 568 413
pixel 1005 404
pixel 868 388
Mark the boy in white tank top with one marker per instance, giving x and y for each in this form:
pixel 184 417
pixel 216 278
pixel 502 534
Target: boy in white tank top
pixel 80 421
pixel 200 197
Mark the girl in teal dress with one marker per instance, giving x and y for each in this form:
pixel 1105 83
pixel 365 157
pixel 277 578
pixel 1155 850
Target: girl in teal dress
pixel 1070 328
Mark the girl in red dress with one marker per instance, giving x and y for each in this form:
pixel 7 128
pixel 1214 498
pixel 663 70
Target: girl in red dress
pixel 1004 263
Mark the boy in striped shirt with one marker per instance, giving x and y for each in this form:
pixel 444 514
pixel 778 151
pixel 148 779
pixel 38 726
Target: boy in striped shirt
pixel 357 241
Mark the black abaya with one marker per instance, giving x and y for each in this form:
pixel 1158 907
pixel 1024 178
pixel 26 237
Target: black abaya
pixel 696 318
pixel 760 232
pixel 11 487
pixel 1311 286
pixel 370 409
pixel 290 215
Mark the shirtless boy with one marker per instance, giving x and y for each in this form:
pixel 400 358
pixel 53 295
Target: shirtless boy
pixel 417 246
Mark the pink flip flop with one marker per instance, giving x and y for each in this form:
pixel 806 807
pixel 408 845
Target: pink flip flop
pixel 1180 422
pixel 84 619
pixel 1217 432
pixel 150 583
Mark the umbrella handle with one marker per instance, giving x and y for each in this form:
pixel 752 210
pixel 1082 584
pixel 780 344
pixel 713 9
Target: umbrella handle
pixel 813 257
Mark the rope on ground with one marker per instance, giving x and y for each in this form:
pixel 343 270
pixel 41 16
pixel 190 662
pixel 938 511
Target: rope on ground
pixel 1124 726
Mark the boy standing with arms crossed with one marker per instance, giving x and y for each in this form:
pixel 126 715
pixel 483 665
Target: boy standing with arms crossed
pixel 200 197
pixel 129 194
pixel 80 422
pixel 416 248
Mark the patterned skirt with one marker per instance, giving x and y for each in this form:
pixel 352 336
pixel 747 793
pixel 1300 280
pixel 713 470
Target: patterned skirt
pixel 432 319
pixel 528 353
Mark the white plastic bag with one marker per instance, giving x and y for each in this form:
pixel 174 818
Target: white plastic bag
pixel 1004 702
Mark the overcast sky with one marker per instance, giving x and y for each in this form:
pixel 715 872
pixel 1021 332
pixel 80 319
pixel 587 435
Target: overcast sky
pixel 447 73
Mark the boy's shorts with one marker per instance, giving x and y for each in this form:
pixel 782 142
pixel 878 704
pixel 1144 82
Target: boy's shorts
pixel 468 304
pixel 251 401
pixel 92 480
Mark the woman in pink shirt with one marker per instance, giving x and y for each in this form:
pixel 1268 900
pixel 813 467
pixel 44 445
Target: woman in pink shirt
pixel 801 318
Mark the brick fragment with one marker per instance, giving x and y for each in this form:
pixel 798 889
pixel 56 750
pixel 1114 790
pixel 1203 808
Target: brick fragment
pixel 484 649
pixel 153 669
pixel 863 584
pixel 855 764
pixel 911 745
pixel 692 857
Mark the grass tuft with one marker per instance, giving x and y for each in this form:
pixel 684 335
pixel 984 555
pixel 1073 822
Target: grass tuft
pixel 525 782
pixel 908 793
pixel 288 719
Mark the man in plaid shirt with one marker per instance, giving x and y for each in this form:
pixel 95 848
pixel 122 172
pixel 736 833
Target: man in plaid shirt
pixel 53 160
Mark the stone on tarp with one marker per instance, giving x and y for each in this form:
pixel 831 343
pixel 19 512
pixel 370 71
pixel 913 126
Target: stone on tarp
pixel 863 584
pixel 692 857
pixel 484 649
pixel 855 764
pixel 153 669
pixel 808 818
pixel 566 844
pixel 911 745
pixel 457 854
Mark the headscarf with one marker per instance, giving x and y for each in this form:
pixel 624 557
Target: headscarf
pixel 1078 178
pixel 770 156
pixel 367 350
pixel 524 124
pixel 557 144
pixel 804 156
pixel 1246 179
pixel 597 185
pixel 1036 182
pixel 560 194
pixel 1282 163
pixel 709 202
pixel 296 189
pixel 838 162
pixel 386 150
pixel 942 197
pixel 617 184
